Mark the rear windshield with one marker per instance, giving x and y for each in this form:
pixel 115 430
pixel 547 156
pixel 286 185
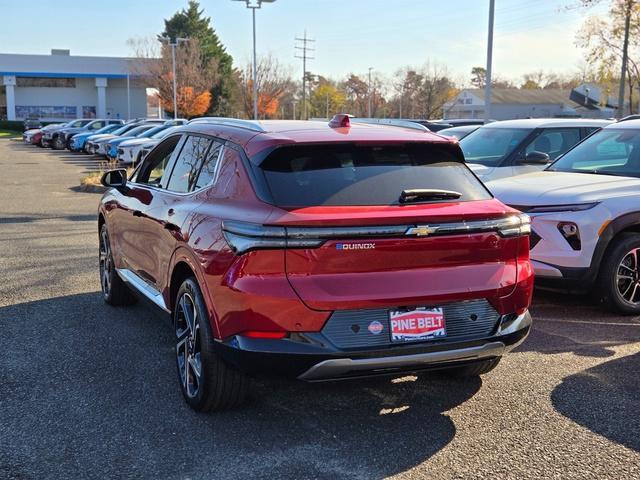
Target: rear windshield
pixel 303 176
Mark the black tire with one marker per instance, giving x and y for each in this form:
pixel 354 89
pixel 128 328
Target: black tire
pixel 114 291
pixel 474 369
pixel 218 386
pixel 56 144
pixel 619 279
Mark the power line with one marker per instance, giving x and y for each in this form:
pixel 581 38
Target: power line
pixel 302 44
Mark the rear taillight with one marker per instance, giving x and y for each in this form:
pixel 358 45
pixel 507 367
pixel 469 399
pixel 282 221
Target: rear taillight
pixel 514 226
pixel 243 237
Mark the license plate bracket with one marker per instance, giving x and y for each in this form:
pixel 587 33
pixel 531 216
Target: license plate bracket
pixel 417 325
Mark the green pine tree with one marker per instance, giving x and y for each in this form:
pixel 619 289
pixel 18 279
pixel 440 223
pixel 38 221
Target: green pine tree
pixel 191 23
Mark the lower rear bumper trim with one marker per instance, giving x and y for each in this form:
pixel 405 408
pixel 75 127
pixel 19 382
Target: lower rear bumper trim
pixel 340 366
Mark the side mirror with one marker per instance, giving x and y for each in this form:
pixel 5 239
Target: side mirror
pixel 115 179
pixel 536 158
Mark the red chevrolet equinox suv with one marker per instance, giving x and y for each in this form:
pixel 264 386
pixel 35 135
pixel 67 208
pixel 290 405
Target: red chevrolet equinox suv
pixel 318 251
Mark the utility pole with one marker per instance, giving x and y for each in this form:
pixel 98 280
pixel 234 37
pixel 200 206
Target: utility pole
pixel 255 5
pixel 128 97
pixel 487 85
pixel 303 45
pixel 625 58
pixel 173 46
pixel 294 108
pixel 369 94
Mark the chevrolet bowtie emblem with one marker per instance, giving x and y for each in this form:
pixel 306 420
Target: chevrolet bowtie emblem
pixel 421 231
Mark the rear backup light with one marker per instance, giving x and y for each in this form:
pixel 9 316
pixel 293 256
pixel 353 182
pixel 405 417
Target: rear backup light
pixel 259 334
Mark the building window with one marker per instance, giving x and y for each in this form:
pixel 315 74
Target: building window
pixel 25 111
pixel 88 111
pixel 468 101
pixel 46 82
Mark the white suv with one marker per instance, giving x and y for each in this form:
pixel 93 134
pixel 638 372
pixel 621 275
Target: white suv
pixel 514 147
pixel 585 211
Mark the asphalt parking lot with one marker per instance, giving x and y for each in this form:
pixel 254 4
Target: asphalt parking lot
pixel 89 391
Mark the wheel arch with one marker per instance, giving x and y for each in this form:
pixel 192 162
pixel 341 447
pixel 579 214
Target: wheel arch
pixel 182 266
pixel 627 223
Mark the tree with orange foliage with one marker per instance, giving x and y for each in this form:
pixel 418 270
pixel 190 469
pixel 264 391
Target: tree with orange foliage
pixel 195 76
pixel 273 81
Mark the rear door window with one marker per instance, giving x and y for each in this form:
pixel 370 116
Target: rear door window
pixel 301 176
pixel 187 167
pixel 210 167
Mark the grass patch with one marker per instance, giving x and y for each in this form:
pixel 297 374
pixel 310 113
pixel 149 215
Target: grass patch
pixel 10 134
pixel 92 179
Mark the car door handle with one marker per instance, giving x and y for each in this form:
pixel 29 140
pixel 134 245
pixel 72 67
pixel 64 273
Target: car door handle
pixel 137 213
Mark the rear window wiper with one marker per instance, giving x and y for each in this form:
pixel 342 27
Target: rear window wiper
pixel 422 194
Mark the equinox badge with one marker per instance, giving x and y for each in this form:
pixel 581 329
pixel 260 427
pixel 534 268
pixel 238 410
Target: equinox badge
pixel 355 246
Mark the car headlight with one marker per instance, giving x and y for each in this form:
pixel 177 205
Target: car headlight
pixel 571 207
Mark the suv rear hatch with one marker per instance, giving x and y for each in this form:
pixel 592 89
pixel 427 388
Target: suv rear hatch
pixel 369 226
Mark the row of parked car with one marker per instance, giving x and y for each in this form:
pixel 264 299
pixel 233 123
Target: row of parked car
pixel 126 142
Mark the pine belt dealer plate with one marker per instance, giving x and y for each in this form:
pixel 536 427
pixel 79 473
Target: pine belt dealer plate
pixel 417 325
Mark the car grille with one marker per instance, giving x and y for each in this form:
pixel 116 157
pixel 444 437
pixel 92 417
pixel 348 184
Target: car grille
pixel 349 328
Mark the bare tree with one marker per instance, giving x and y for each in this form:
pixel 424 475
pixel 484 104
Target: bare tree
pixel 424 91
pixel 273 80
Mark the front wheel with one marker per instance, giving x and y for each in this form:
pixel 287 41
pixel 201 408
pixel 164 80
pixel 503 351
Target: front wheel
pixel 207 382
pixel 619 283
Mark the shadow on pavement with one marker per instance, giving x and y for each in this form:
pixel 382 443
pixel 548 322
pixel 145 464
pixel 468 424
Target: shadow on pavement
pixel 568 323
pixel 91 391
pixel 599 397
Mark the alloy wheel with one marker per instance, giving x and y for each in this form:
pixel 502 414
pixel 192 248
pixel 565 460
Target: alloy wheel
pixel 628 277
pixel 188 351
pixel 106 262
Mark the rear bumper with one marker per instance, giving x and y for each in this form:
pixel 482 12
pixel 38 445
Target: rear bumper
pixel 310 357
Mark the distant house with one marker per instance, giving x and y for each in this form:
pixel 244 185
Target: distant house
pixel 510 103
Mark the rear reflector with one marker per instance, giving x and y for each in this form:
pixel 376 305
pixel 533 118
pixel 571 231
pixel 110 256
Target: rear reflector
pixel 258 334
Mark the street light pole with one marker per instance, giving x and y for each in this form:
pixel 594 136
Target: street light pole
pixel 173 46
pixel 487 86
pixel 255 68
pixel 369 92
pixel 175 94
pixel 254 5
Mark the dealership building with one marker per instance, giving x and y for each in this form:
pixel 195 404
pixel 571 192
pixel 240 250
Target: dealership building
pixel 61 86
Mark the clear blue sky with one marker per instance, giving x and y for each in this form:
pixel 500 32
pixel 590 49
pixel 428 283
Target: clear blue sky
pixel 351 35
